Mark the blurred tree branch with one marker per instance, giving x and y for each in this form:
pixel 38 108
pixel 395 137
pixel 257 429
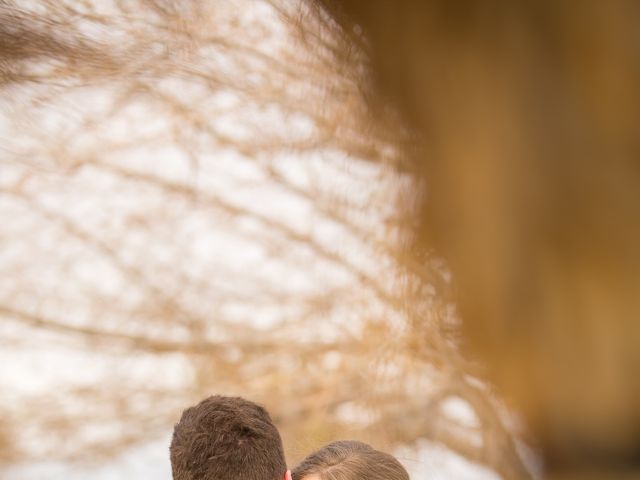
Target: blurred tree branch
pixel 226 199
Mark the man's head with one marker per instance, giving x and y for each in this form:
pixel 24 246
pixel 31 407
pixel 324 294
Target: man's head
pixel 226 438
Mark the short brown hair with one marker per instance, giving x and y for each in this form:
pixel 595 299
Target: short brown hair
pixel 226 438
pixel 350 460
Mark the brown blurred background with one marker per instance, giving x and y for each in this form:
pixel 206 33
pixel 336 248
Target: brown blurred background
pixel 526 116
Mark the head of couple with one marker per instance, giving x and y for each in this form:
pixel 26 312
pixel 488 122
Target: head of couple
pixel 231 438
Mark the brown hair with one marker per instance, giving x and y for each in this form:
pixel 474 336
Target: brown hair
pixel 226 438
pixel 350 460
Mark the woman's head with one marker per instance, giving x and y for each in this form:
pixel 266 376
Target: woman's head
pixel 349 460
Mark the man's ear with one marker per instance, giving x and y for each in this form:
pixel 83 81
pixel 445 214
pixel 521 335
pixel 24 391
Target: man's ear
pixel 287 475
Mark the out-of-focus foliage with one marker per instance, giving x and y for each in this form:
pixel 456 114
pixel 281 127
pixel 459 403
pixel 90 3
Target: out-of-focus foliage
pixel 196 200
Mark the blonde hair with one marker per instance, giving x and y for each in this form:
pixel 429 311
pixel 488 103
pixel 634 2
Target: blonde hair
pixel 350 460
